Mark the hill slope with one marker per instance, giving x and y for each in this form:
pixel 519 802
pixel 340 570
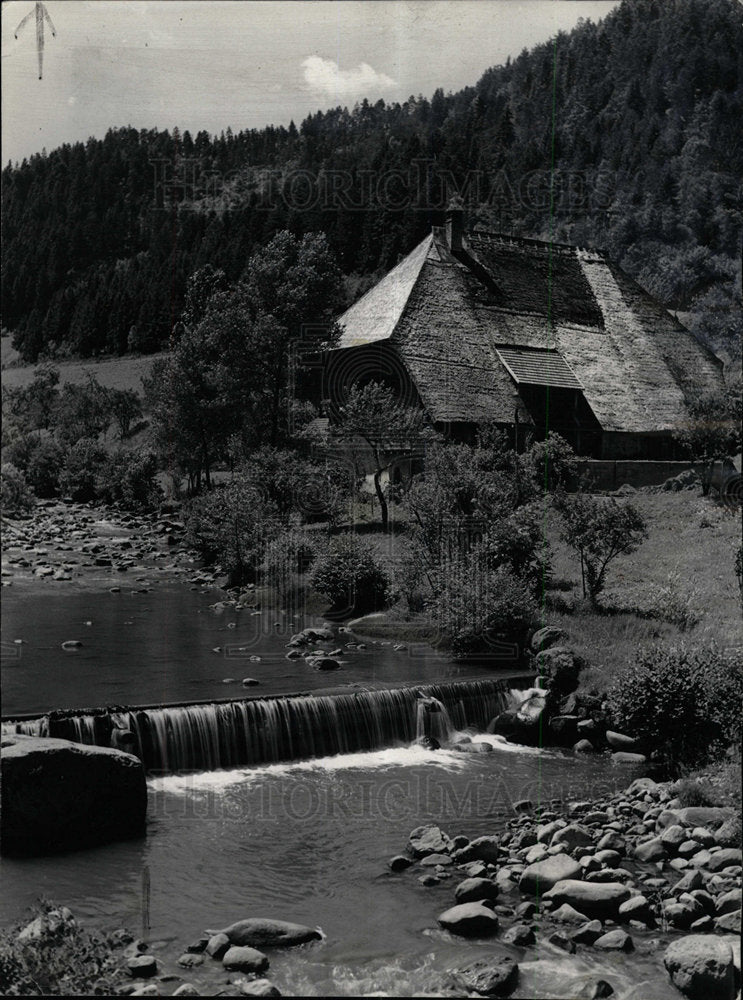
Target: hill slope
pixel 644 163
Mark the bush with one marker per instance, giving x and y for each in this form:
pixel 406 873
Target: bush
pixel 232 525
pixel 350 576
pixel 695 792
pixel 682 703
pixel 83 465
pixel 480 607
pixel 517 543
pixel 44 468
pixel 65 961
pixel 128 478
pixel 286 561
pixel 15 496
pixel 552 465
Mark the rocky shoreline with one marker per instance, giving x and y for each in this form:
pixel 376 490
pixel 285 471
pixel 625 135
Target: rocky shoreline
pixel 634 871
pixel 98 546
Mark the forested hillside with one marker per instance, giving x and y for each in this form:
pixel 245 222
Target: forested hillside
pixel 647 150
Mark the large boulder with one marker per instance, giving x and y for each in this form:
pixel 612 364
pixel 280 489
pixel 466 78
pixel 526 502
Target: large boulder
pixel 558 669
pixel 260 932
pixel 599 900
pixel 543 875
pixel 63 796
pixel 546 637
pixel 701 967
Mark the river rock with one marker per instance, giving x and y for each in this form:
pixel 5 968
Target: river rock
pixel 729 923
pixel 728 902
pixel 240 958
pixel 626 757
pixel 572 836
pixel 474 890
pixel 588 933
pixel 546 637
pixel 261 932
pixel 63 796
pixel 545 831
pixel 650 850
pixel 618 741
pixel 543 875
pixel 324 663
pixel 486 848
pixel 436 860
pixel 611 841
pixel 636 908
pixel 142 966
pixel 495 978
pixel 428 840
pixel 217 945
pixel 728 834
pixel 672 837
pixel 190 960
pixel 520 935
pixel 259 988
pixel 600 900
pixel 727 857
pixel 567 914
pixel 186 990
pixel 616 940
pixel 701 967
pixel 709 816
pixel 399 863
pixel 470 920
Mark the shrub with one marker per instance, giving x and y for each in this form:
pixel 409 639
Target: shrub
pixel 480 608
pixel 232 525
pixel 65 961
pixel 517 542
pixel 44 468
pixel 82 467
pixel 350 576
pixel 128 478
pixel 552 465
pixel 695 792
pixel 15 496
pixel 682 703
pixel 286 561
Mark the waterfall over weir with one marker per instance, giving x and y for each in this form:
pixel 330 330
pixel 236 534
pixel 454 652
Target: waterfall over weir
pixel 205 737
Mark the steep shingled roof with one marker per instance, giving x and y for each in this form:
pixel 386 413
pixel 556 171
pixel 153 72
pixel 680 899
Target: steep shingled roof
pixel 447 315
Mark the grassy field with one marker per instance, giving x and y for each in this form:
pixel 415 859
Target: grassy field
pixel 684 572
pixel 114 373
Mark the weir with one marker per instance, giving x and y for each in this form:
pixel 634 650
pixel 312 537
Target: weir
pixel 217 735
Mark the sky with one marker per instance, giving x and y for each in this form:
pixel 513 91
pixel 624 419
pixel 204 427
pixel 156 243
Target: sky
pixel 209 64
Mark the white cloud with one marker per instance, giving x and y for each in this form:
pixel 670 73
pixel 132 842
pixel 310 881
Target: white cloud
pixel 323 76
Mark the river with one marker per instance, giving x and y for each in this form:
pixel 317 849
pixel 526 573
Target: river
pixel 308 840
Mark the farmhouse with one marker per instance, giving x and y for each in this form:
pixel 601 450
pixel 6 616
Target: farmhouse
pixel 482 327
